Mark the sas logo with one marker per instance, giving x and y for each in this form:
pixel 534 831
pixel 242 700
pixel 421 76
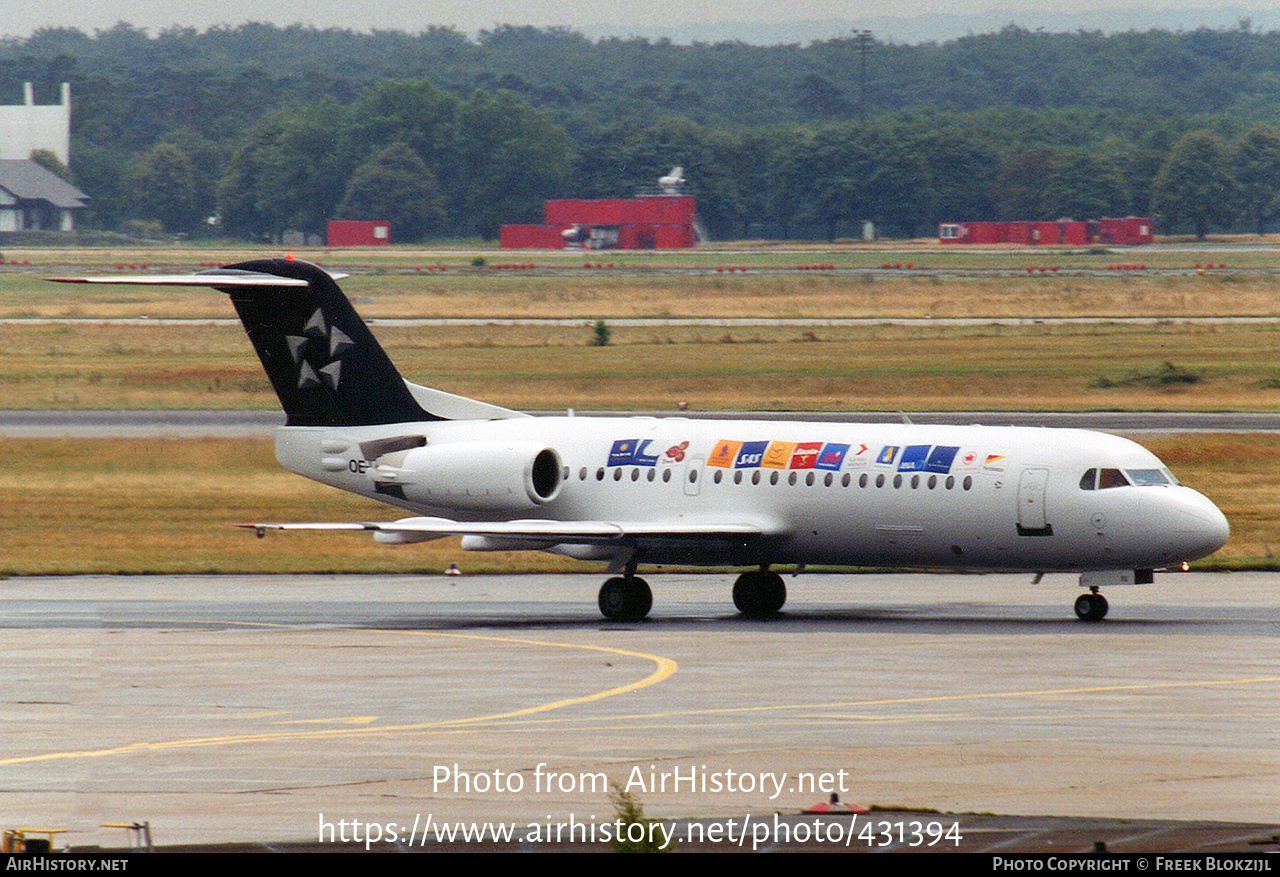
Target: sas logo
pixel 724 454
pixel 750 455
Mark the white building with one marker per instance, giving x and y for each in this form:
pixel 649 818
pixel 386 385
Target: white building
pixel 26 127
pixel 33 198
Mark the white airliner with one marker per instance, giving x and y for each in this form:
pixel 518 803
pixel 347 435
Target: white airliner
pixel 632 490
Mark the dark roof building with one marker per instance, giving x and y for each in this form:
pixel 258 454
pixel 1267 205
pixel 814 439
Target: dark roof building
pixel 32 197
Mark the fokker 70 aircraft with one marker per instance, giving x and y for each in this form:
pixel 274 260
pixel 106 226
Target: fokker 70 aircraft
pixel 632 490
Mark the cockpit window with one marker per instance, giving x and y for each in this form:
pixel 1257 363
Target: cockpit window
pixel 1089 479
pixel 1144 477
pixel 1111 478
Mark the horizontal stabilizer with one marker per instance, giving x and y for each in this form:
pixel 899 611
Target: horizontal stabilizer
pixel 230 279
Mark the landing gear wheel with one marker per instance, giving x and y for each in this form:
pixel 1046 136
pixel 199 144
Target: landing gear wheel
pixel 759 594
pixel 1091 607
pixel 625 599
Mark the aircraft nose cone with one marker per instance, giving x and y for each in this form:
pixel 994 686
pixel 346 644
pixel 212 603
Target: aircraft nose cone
pixel 1202 528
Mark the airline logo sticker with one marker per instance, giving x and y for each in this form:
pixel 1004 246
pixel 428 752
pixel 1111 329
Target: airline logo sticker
pixel 888 455
pixel 858 458
pixel 940 459
pixel 643 457
pixel 969 461
pixel 675 453
pixel 994 462
pixel 913 457
pixel 805 455
pixel 831 457
pixel 750 455
pixel 622 452
pixel 778 455
pixel 633 452
pixel 724 454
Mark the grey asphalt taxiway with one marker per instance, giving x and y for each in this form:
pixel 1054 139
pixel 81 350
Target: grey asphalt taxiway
pixel 256 708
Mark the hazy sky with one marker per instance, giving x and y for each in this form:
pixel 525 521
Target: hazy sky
pixel 20 17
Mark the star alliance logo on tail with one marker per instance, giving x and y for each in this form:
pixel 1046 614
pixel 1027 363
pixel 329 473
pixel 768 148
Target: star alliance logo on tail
pixel 337 343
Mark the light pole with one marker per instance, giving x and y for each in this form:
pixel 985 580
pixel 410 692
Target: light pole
pixel 864 42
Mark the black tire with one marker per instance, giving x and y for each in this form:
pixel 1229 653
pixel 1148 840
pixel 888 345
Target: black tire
pixel 641 596
pixel 625 599
pixel 1091 607
pixel 613 600
pixel 759 594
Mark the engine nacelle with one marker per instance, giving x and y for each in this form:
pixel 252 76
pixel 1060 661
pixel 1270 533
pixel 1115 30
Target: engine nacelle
pixel 480 476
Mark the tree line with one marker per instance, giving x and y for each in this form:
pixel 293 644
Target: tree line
pixel 246 125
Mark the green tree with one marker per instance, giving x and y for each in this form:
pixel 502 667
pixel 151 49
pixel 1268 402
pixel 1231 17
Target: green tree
pixel 510 159
pixel 1195 185
pixel 395 185
pixel 162 186
pixel 50 162
pixel 1257 162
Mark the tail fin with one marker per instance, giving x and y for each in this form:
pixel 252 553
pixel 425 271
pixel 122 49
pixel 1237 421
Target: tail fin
pixel 324 363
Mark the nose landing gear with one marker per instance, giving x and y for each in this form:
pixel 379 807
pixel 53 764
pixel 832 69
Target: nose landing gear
pixel 1091 606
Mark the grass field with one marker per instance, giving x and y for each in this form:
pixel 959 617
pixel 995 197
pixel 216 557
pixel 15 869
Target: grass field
pixel 87 365
pixel 602 295
pixel 139 506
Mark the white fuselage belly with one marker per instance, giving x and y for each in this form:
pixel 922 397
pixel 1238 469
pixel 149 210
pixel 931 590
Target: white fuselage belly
pixel 971 497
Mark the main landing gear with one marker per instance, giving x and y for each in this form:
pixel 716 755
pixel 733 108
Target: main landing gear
pixel 625 598
pixel 1091 606
pixel 759 593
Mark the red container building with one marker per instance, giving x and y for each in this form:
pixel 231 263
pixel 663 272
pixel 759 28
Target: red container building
pixel 359 233
pixel 1129 231
pixel 648 222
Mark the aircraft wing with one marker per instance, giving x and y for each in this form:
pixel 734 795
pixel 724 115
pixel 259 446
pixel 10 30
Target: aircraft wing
pixel 570 532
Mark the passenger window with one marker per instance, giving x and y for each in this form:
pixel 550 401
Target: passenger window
pixel 666 475
pixel 862 480
pixel 808 479
pixel 599 475
pixel 755 477
pixel 737 477
pixel 968 482
pixel 844 482
pixel 879 481
pixel 716 478
pixel 773 479
pixel 827 481
pixel 1089 479
pixel 951 481
pixel 617 474
pixel 1111 478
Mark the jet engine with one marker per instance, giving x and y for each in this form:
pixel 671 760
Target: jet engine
pixel 477 476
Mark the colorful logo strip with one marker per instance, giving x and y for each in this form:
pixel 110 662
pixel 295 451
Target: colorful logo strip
pixel 831 456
